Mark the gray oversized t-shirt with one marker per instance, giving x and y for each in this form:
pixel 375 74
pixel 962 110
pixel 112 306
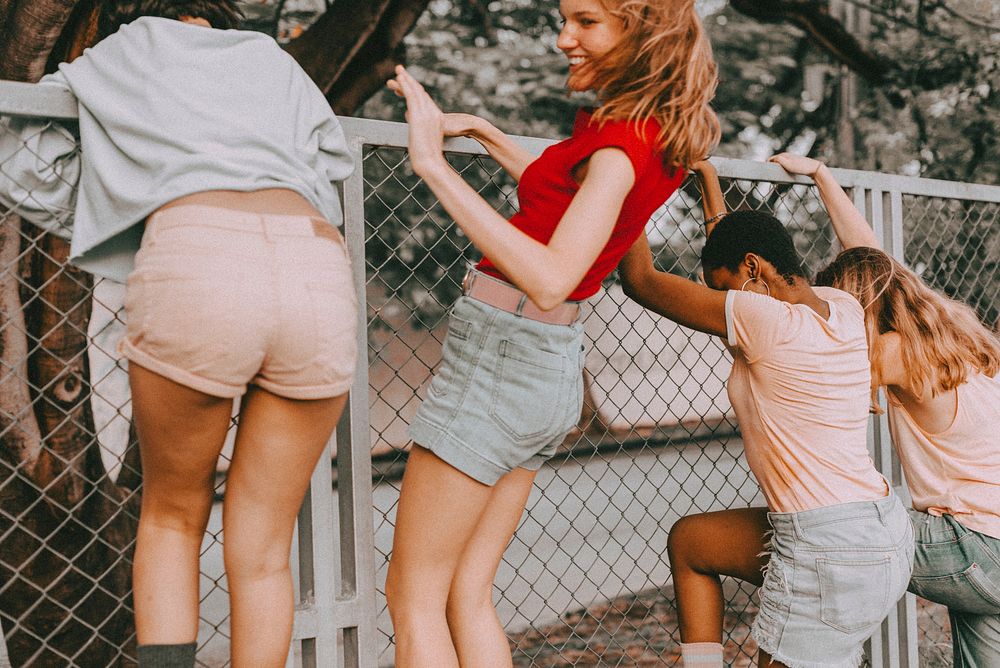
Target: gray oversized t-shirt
pixel 168 109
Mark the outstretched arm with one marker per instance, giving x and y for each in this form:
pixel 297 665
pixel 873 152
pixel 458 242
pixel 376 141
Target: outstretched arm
pixel 713 202
pixel 685 302
pixel 850 226
pixel 508 153
pixel 547 273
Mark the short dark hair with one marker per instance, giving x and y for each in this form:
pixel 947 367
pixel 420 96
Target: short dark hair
pixel 221 14
pixel 742 232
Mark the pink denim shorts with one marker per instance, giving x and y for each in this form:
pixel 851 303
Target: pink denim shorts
pixel 221 298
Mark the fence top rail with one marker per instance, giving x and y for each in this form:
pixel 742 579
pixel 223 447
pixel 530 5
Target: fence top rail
pixel 33 100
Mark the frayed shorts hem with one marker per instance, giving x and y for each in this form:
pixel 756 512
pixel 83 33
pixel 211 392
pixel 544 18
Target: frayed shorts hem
pixel 455 453
pixel 771 648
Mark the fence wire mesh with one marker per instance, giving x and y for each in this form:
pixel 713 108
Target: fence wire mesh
pixel 585 580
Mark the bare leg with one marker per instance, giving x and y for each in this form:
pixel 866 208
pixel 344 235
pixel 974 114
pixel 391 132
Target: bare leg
pixel 439 510
pixel 764 660
pixel 703 547
pixel 181 432
pixel 475 628
pixel 277 445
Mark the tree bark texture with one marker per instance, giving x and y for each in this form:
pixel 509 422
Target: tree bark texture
pixel 352 49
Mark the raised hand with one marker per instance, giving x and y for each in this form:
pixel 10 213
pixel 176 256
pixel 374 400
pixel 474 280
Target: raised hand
pixel 427 122
pixel 797 164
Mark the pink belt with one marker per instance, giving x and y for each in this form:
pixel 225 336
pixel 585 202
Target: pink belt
pixel 504 296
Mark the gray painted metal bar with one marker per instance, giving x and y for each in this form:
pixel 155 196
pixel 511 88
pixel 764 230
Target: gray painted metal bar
pixel 21 99
pixel 354 483
pixel 4 658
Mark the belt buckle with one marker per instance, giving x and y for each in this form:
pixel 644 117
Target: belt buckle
pixel 468 280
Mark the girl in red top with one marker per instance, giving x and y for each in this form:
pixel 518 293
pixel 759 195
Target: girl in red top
pixel 509 386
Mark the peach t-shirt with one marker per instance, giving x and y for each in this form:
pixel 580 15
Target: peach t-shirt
pixel 800 386
pixel 956 471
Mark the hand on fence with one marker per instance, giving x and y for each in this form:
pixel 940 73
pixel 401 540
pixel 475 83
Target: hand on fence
pixel 797 164
pixel 427 122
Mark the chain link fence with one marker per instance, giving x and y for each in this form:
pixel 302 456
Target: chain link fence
pixel 585 580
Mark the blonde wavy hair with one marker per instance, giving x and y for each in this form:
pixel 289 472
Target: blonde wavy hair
pixel 942 339
pixel 663 69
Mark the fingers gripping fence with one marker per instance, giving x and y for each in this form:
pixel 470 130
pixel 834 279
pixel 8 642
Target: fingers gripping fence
pixel 585 580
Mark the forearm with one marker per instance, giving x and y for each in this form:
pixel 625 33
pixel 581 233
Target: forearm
pixel 713 202
pixel 509 154
pixel 679 299
pixel 849 225
pixel 531 265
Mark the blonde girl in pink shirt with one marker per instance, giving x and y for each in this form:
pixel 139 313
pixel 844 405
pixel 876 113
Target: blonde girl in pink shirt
pixel 840 548
pixel 939 366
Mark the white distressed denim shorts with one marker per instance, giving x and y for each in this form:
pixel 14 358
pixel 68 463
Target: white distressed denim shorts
pixel 506 393
pixel 833 576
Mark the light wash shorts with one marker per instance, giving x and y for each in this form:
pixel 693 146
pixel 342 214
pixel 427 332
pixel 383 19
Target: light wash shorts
pixel 960 568
pixel 506 393
pixel 834 575
pixel 220 299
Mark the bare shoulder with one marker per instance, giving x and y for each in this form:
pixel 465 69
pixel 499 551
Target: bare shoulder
pixel 890 360
pixel 610 166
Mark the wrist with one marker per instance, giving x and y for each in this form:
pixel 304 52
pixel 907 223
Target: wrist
pixel 431 169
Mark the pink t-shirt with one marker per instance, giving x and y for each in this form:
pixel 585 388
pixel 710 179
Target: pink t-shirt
pixel 800 386
pixel 956 471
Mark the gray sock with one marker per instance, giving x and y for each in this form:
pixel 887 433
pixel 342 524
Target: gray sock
pixel 167 656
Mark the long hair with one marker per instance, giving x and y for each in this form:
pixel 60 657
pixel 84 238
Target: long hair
pixel 662 68
pixel 748 231
pixel 941 338
pixel 221 14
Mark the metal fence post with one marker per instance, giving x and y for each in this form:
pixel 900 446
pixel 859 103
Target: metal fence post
pixel 354 472
pixel 4 659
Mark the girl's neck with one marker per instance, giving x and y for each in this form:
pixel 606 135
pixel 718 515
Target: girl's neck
pixel 800 292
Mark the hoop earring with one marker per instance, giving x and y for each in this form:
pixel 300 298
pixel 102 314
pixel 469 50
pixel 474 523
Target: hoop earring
pixel 754 279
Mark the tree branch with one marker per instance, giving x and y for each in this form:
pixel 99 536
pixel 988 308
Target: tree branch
pixel 350 51
pixel 827 32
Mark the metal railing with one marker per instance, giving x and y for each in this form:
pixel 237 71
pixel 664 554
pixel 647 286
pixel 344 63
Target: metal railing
pixel 585 580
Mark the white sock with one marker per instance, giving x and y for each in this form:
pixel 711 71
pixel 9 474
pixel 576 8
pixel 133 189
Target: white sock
pixel 701 654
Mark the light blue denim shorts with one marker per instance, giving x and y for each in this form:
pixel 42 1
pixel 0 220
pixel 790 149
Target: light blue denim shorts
pixel 833 576
pixel 506 393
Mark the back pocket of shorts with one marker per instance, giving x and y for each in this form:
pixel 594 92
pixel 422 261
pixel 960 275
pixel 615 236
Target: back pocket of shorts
pixel 854 593
pixel 529 391
pixel 971 590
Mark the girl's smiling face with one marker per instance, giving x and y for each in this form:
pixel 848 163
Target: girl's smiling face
pixel 589 31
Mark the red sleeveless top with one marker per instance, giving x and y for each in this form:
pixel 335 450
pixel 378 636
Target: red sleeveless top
pixel 547 187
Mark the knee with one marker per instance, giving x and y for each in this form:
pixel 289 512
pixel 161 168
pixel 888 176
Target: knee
pixel 468 602
pixel 254 564
pixel 409 600
pixel 395 599
pixel 182 511
pixel 679 541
